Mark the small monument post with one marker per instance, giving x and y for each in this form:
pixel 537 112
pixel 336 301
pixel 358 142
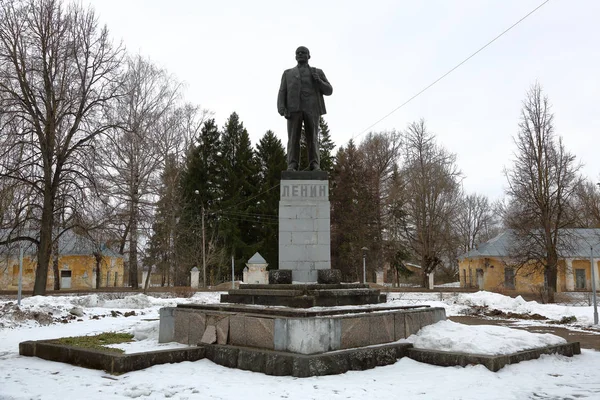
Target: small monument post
pixel 195 278
pixel 256 270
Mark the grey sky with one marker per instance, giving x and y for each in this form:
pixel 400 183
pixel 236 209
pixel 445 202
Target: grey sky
pixel 379 53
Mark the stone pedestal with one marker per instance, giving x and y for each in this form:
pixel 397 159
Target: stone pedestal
pixel 304 224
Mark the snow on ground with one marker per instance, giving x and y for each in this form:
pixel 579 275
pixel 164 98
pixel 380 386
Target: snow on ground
pixel 551 377
pixel 450 285
pixel 480 339
pixel 462 303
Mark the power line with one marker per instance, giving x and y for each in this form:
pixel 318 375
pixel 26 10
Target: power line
pixel 246 214
pixel 407 101
pixel 251 198
pixel 452 70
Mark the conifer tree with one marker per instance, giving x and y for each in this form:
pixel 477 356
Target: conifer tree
pixel 200 190
pixel 161 250
pixel 351 212
pixel 237 225
pixel 271 161
pixel 326 146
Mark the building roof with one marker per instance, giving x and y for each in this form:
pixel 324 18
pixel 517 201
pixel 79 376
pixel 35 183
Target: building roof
pixel 575 243
pixel 71 243
pixel 256 259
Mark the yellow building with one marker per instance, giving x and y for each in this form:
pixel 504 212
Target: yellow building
pixel 491 267
pixel 76 261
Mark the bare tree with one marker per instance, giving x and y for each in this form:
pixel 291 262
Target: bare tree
pixel 57 79
pixel 541 187
pixel 431 193
pixel 181 130
pixel 475 222
pixel 133 153
pixel 587 204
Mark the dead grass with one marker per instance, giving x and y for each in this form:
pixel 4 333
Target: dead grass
pixel 97 342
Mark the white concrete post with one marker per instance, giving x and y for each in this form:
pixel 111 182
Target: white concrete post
pixel 379 277
pixel 144 277
pixel 195 277
pixel 430 276
pixel 569 280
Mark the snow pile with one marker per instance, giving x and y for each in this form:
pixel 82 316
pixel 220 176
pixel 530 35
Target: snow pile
pixel 497 301
pixel 45 310
pixel 479 339
pixel 146 330
pixel 519 305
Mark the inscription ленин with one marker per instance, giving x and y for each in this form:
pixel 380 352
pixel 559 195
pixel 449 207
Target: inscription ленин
pixel 307 190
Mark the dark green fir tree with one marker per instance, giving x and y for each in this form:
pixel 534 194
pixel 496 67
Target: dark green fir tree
pixel 271 160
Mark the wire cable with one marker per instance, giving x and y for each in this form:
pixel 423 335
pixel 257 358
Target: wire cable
pixel 451 70
pixel 411 98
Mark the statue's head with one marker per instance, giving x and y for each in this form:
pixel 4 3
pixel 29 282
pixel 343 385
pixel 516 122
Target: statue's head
pixel 302 54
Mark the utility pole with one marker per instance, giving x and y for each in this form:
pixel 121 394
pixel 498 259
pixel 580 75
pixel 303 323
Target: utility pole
pixel 20 291
pixel 203 250
pixel 364 250
pixel 197 192
pixel 593 270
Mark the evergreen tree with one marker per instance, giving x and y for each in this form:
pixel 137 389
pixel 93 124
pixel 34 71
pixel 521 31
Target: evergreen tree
pixel 200 189
pixel 351 212
pixel 161 247
pixel 271 161
pixel 237 223
pixel 326 146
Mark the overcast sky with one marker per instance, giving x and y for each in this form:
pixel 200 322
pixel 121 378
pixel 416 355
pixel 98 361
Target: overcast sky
pixel 377 54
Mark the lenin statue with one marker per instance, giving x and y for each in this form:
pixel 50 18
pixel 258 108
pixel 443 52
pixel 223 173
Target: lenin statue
pixel 300 100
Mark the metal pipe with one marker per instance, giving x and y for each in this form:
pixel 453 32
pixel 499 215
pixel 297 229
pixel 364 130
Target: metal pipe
pixel 364 268
pixel 594 285
pixel 20 289
pixel 203 251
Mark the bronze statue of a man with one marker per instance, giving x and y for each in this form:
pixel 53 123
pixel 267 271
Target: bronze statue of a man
pixel 300 100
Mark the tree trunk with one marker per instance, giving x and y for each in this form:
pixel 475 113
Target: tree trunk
pixel 55 266
pixel 45 246
pixel 98 258
pixel 425 280
pixel 133 242
pixel 147 282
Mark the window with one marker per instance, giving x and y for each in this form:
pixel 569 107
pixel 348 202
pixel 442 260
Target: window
pixel 580 279
pixel 15 275
pixel 509 278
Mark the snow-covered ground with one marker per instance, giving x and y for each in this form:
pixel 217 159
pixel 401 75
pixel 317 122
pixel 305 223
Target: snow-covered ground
pixel 550 377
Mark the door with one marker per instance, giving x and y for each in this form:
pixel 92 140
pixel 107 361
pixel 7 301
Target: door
pixel 65 279
pixel 480 279
pixel 580 279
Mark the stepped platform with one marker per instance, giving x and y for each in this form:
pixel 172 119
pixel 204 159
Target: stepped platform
pixel 293 330
pixel 305 295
